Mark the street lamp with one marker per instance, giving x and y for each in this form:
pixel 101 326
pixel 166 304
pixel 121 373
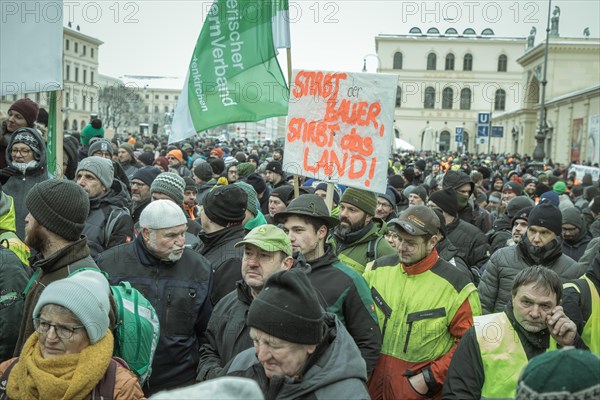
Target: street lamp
pixel 540 137
pixel 364 68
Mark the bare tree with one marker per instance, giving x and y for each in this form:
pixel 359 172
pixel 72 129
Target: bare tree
pixel 119 105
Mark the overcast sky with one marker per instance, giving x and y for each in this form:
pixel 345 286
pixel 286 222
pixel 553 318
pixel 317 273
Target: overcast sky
pixel 158 37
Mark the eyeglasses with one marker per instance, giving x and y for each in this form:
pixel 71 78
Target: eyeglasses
pixel 138 184
pixel 62 331
pixel 384 205
pixel 22 152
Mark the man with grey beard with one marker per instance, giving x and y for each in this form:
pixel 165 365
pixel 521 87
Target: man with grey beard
pixel 158 264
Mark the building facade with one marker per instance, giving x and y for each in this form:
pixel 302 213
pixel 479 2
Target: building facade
pixel 446 79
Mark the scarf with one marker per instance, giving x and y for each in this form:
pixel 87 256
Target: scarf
pixel 72 376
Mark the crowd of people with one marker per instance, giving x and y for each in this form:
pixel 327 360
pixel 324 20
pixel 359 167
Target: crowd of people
pixel 467 278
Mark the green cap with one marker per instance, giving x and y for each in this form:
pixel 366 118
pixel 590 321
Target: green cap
pixel 268 238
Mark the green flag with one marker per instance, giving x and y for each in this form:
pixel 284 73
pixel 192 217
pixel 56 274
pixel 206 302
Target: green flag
pixel 234 75
pixel 51 137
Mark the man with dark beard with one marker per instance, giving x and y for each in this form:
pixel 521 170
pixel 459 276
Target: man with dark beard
pixel 57 214
pixel 357 239
pixel 176 280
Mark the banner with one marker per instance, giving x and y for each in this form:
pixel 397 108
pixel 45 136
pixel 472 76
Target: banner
pixel 593 142
pixel 340 127
pixel 234 75
pixel 576 139
pixel 581 170
pixel 31 46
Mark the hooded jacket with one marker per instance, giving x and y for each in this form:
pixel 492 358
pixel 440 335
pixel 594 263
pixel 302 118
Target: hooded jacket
pixel 334 371
pixel 110 210
pixel 471 243
pixel 20 183
pixel 500 271
pixel 576 247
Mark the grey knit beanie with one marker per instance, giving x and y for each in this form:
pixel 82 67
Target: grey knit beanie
pixel 99 166
pixel 85 294
pixel 100 144
pixel 60 206
pixel 170 184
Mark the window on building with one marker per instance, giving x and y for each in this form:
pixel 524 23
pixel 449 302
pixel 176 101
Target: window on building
pixel 468 62
pixel 68 73
pixel 447 97
pixel 429 98
pixel 92 77
pixel 155 97
pixel 84 49
pixel 37 98
pixel 500 100
pixel 67 99
pixel 398 60
pixel 176 98
pixel 84 76
pixel 92 52
pixel 431 62
pixel 450 62
pixel 147 97
pixel 166 109
pixel 76 47
pixel 155 109
pixel 83 102
pixel 67 43
pixel 76 74
pixel 502 63
pixel 465 99
pixel 166 97
pixel 14 97
pixel 146 110
pixel 398 96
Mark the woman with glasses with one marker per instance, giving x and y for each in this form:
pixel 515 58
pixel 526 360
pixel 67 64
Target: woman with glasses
pixel 69 356
pixel 22 113
pixel 26 158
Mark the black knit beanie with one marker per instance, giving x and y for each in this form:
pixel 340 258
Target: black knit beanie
pixel 146 174
pixel 257 182
pixel 226 205
pixel 440 216
pixel 546 215
pixel 60 206
pixel 287 308
pixel 285 193
pixel 446 200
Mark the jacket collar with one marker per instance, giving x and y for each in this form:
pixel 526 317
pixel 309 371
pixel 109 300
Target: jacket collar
pixel 422 266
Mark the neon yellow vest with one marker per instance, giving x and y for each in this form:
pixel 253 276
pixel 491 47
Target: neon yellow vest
pixel 502 354
pixel 591 329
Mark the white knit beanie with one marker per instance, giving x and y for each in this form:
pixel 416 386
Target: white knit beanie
pixel 85 294
pixel 161 214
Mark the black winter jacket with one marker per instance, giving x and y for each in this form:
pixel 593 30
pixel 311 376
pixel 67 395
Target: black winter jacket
pixel 116 201
pixel 225 259
pixel 180 294
pixel 471 243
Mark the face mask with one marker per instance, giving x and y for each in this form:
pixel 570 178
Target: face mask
pixel 462 200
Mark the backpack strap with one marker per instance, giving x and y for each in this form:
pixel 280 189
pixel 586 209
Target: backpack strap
pixel 111 221
pixel 33 278
pixel 372 249
pixel 4 379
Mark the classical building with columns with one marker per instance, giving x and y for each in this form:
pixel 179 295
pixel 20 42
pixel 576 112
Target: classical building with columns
pixel 446 79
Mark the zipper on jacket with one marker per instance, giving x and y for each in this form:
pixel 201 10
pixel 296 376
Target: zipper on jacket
pixel 384 307
pixel 421 315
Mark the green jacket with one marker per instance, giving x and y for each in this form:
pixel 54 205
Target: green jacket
pixel 361 247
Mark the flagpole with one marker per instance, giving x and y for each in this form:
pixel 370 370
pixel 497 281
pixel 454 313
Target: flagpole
pixel 59 134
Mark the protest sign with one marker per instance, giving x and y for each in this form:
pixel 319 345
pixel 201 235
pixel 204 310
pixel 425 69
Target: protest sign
pixel 340 127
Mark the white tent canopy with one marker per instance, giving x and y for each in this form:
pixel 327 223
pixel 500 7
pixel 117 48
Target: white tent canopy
pixel 400 144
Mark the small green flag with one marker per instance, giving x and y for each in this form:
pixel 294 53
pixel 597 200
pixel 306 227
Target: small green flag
pixel 234 75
